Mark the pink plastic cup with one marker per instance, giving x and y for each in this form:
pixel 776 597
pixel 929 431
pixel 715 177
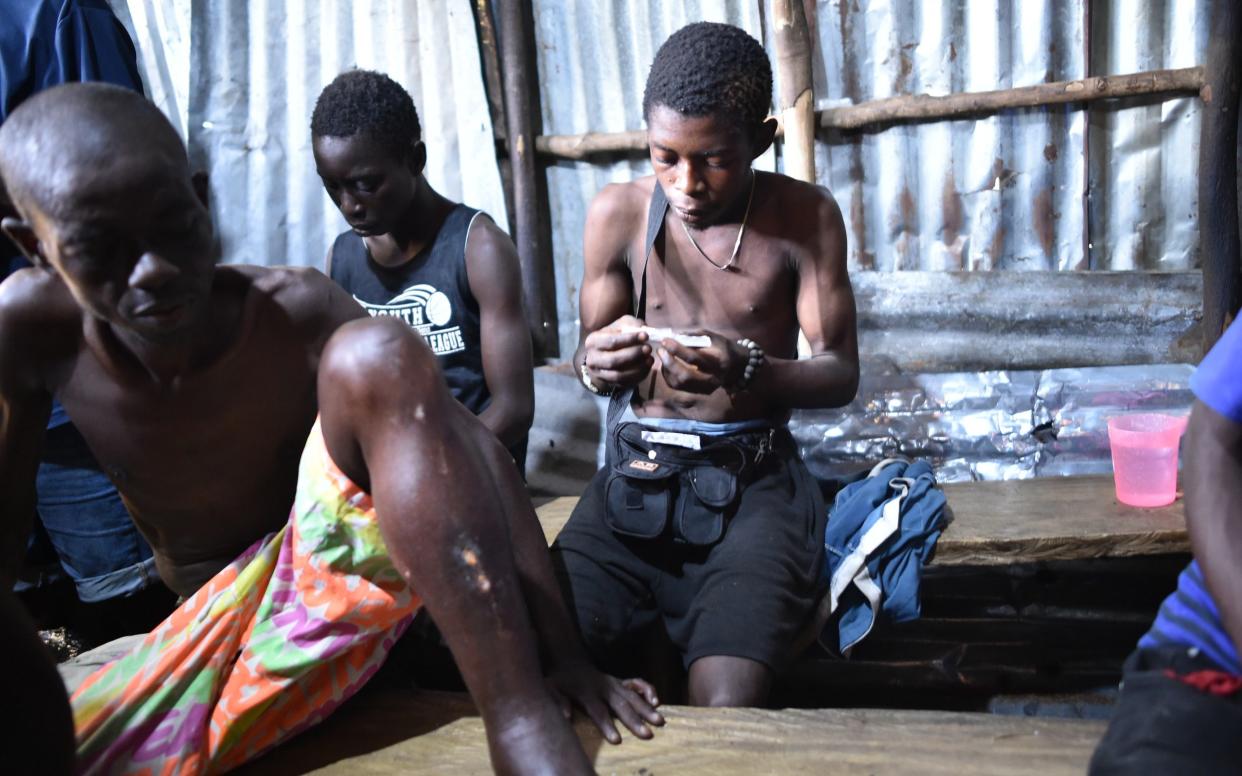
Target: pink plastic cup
pixel 1144 447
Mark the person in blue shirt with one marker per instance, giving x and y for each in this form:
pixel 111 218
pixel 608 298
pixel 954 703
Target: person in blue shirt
pixel 44 43
pixel 1180 707
pixel 48 42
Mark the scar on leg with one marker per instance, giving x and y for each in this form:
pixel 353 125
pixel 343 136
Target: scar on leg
pixel 420 414
pixel 468 554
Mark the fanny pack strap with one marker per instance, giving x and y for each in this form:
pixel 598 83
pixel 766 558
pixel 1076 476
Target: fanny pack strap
pixel 742 454
pixel 655 223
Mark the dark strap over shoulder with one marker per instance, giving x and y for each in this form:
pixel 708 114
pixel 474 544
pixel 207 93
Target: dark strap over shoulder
pixel 655 222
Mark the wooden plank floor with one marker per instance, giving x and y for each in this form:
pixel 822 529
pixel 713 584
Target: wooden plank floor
pixel 393 732
pixel 1052 518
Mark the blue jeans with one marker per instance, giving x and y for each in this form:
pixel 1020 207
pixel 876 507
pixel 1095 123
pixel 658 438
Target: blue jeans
pixel 81 516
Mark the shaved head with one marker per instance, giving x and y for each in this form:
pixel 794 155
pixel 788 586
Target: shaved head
pixel 106 201
pixel 63 135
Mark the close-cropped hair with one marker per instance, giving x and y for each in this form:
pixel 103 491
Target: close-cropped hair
pixel 371 103
pixel 709 69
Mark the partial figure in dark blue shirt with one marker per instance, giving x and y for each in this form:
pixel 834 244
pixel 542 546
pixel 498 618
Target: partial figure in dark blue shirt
pixel 1180 709
pixel 44 43
pixel 48 42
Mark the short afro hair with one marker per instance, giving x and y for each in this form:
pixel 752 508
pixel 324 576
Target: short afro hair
pixel 364 101
pixel 711 69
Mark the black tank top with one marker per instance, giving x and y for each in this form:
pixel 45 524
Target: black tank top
pixel 431 293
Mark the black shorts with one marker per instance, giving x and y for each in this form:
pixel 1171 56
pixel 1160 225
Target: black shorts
pixel 1162 725
pixel 749 595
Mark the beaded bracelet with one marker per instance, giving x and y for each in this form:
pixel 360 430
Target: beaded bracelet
pixel 753 363
pixel 590 384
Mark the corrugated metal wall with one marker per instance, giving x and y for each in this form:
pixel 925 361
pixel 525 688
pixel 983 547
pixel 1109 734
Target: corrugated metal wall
pixel 1061 188
pixel 1144 160
pixel 1003 192
pixel 242 77
pixel 1064 188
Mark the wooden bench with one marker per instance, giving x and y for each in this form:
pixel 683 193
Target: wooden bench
pixel 391 732
pixel 1037 586
pixel 387 731
pixel 1019 521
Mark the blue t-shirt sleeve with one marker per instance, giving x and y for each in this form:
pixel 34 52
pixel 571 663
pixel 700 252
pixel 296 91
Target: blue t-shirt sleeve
pixel 1218 380
pixel 92 45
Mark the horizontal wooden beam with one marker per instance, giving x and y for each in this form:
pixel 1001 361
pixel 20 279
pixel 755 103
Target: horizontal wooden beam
pixel 925 107
pixel 591 143
pixel 921 107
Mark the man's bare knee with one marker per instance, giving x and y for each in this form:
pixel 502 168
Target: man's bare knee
pixel 376 346
pixel 383 360
pixel 722 681
pixel 729 696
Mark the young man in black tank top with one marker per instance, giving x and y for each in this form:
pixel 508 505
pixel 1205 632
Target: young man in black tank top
pixel 445 269
pixel 705 520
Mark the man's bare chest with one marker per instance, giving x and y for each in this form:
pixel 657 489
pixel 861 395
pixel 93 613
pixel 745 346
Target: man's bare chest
pixel 683 290
pixel 195 440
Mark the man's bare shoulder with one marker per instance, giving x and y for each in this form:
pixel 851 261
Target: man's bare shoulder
pixel 306 295
pixel 486 241
pixel 39 319
pixel 277 281
pixel 617 217
pixel 804 214
pixel 793 197
pixel 626 201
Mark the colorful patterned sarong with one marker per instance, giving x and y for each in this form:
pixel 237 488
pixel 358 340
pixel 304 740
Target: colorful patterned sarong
pixel 269 647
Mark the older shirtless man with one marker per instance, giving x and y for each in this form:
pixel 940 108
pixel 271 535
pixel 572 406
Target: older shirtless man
pixel 198 388
pixel 704 516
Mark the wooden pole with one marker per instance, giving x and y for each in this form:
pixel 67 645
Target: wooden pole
pixel 923 107
pixel 1218 173
pixel 489 54
pixel 796 89
pixel 532 232
pixel 796 92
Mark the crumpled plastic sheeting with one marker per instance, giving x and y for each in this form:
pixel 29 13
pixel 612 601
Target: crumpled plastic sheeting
pixel 988 425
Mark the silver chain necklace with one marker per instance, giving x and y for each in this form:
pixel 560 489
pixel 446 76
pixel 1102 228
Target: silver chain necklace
pixel 728 265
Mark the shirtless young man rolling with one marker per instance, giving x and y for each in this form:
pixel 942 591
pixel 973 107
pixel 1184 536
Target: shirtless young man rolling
pixel 198 388
pixel 732 563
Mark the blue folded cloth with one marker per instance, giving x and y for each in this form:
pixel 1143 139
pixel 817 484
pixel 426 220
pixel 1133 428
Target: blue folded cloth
pixel 881 530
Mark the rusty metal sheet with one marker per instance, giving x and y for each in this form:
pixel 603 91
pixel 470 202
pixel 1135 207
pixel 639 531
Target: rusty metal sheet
pixel 962 321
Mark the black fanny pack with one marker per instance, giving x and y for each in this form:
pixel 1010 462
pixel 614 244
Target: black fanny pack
pixel 653 479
